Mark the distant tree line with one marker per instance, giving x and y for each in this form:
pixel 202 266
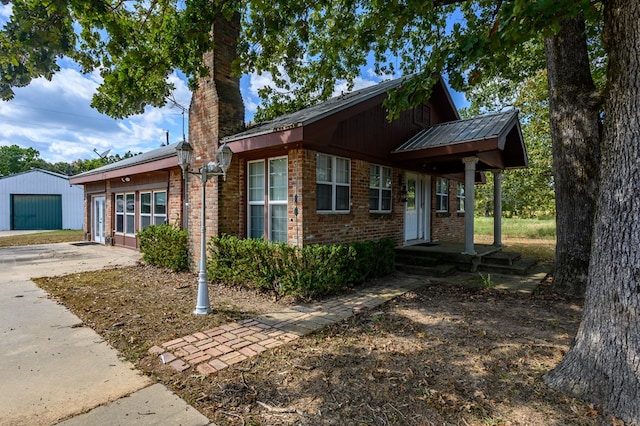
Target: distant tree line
pixel 15 159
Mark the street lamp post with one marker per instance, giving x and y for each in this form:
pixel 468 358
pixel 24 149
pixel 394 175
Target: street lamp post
pixel 214 168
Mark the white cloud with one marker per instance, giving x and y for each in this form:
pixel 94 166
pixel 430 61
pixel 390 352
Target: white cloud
pixel 6 10
pixel 55 118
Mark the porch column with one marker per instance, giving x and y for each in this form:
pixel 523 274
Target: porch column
pixel 469 202
pixel 497 207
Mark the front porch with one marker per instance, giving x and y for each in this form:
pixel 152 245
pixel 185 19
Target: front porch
pixel 444 258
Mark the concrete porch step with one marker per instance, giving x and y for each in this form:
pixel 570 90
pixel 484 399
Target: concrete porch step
pixel 501 258
pixel 519 267
pixel 439 270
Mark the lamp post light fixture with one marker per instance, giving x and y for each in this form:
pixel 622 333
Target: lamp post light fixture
pixel 213 168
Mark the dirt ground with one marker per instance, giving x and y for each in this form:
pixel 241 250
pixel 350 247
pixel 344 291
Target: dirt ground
pixel 443 355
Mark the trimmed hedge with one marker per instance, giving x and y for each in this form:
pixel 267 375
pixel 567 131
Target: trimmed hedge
pixel 165 245
pixel 306 273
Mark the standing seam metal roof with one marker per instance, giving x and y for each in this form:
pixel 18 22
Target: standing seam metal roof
pixel 453 132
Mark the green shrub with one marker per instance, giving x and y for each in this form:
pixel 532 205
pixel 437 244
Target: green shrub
pixel 165 245
pixel 306 273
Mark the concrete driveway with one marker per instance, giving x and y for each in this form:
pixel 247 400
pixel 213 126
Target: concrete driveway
pixel 52 367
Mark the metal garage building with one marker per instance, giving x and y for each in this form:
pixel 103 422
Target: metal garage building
pixel 39 199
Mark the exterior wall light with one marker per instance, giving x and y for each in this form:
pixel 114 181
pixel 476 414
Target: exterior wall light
pixel 218 167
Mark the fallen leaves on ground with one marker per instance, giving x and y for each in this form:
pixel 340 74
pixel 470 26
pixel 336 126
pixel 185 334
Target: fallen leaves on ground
pixel 443 355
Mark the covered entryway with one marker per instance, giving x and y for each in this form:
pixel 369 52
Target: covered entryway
pixel 465 149
pixel 99 219
pixel 417 207
pixel 32 211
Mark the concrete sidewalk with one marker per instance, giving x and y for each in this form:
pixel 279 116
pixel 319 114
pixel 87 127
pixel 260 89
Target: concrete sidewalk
pixel 53 368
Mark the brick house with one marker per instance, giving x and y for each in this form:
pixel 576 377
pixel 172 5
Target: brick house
pixel 335 172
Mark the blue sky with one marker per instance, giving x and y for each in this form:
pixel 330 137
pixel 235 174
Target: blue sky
pixel 55 117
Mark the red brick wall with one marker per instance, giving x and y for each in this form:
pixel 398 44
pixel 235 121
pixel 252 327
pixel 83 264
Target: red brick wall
pixel 216 111
pixel 448 226
pixel 174 197
pixel 357 225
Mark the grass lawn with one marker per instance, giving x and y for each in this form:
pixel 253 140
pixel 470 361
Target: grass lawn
pixel 530 237
pixel 48 237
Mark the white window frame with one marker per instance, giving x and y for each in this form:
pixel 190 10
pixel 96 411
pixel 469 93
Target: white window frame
pixel 442 196
pixel 142 214
pixel 460 198
pixel 126 214
pixel 267 202
pixel 259 202
pixel 334 183
pixel 152 215
pixel 120 213
pixel 155 216
pixel 273 202
pixel 381 187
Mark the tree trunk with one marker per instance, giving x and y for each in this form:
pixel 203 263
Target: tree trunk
pixel 603 366
pixel 575 133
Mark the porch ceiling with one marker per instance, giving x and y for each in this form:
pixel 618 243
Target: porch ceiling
pixel 495 139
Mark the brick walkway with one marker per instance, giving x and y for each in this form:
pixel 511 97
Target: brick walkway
pixel 212 350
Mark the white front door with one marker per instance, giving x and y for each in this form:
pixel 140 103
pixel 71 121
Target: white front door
pixel 98 219
pixel 417 207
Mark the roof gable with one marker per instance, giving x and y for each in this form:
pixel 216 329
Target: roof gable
pixel 36 170
pixel 321 110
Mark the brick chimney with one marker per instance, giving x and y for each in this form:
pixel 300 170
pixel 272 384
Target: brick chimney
pixel 216 111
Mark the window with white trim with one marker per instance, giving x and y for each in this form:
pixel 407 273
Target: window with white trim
pixel 460 198
pixel 159 207
pixel 145 210
pixel 333 184
pixel 442 195
pixel 379 189
pixel 274 178
pixel 120 213
pixel 255 184
pixel 153 208
pixel 126 213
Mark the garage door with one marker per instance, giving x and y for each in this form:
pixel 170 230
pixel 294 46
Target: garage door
pixel 36 212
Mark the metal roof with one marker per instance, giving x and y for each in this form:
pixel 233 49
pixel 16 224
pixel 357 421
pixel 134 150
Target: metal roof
pixel 35 169
pixel 472 129
pixel 166 151
pixel 318 111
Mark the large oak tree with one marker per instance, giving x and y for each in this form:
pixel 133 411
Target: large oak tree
pixel 137 44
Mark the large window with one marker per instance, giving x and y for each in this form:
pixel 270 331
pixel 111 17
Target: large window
pixel 159 207
pixel 153 208
pixel 442 195
pixel 460 198
pixel 256 199
pixel 333 183
pixel 126 213
pixel 275 179
pixel 380 189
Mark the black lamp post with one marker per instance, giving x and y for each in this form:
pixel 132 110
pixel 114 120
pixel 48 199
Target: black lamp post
pixel 213 168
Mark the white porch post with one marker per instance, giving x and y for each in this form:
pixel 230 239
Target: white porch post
pixel 469 203
pixel 497 207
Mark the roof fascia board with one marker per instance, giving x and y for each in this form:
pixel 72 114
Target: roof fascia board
pixel 150 166
pixel 470 147
pixel 266 140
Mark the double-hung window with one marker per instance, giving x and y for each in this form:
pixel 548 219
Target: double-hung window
pixel 379 189
pixel 153 208
pixel 460 198
pixel 126 213
pixel 274 178
pixel 333 184
pixel 442 195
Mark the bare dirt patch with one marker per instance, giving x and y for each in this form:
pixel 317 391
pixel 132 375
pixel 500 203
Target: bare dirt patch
pixel 443 355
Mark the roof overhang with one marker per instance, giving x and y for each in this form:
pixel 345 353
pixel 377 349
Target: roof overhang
pixel 151 166
pixel 496 140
